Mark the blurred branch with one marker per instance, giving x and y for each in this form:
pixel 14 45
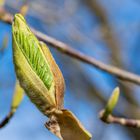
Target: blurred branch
pixel 6 119
pixel 108 35
pixel 105 27
pixel 17 99
pixel 66 49
pixel 4 44
pixel 93 93
pixel 106 114
pixel 121 121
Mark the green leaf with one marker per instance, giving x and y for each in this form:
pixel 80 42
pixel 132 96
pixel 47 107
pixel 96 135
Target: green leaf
pixel 31 66
pixel 29 46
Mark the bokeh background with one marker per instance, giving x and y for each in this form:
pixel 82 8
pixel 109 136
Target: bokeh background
pixel 108 30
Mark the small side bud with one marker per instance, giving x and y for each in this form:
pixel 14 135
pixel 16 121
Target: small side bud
pixel 111 104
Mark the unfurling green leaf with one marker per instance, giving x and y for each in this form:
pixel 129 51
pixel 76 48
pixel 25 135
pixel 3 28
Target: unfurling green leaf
pixel 43 81
pixel 32 68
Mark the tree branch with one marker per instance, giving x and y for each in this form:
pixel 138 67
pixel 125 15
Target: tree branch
pixel 66 49
pixel 109 37
pixel 118 120
pixel 6 119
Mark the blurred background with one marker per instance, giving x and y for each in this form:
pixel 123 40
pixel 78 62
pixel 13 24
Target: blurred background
pixel 108 30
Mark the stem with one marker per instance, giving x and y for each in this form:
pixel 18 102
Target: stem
pixel 118 120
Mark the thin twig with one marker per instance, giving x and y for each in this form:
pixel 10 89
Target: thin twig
pixel 6 119
pixel 66 49
pixel 118 120
pixel 109 37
